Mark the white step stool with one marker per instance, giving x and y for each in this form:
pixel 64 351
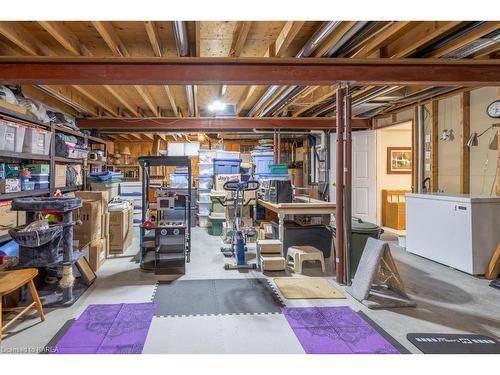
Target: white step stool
pixel 296 255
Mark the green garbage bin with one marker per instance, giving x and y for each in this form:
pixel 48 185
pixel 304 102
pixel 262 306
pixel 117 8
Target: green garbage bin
pixel 361 230
pixel 217 223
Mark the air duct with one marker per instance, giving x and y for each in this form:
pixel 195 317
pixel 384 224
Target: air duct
pixel 182 43
pixel 306 51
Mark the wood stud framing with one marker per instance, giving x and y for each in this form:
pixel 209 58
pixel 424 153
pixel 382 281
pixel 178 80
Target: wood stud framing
pixel 464 149
pixel 434 146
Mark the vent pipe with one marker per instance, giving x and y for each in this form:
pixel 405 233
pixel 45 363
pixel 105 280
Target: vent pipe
pixel 182 43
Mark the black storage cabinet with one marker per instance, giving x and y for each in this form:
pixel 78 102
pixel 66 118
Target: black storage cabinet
pixel 319 236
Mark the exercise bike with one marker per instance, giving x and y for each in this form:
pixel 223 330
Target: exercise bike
pixel 238 244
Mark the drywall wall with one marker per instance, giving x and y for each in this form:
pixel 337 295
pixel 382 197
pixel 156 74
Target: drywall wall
pixel 483 160
pixel 393 136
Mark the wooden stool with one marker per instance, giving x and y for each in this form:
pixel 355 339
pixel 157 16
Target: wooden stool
pixel 12 280
pixel 296 255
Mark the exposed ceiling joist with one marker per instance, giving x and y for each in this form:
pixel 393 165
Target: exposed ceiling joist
pixel 66 38
pixel 110 37
pixel 480 31
pixel 333 38
pixel 382 38
pixel 171 100
pixel 209 124
pixel 314 103
pixel 63 94
pixel 249 71
pixel 96 100
pixel 18 35
pixel 240 37
pixel 286 37
pixel 154 39
pixel 148 99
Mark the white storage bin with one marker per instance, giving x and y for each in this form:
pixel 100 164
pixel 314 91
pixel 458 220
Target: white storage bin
pixel 205 182
pixel 203 221
pixel 206 156
pixel 11 136
pixel 36 141
pixel 206 168
pixel 204 197
pixel 221 154
pixel 178 181
pixel 204 207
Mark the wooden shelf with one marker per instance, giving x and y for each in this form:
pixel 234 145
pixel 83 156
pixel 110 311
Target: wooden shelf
pixel 69 131
pixel 24 194
pixel 96 162
pixel 22 156
pixel 6 112
pixel 62 159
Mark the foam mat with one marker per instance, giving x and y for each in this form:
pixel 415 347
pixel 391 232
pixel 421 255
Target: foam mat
pixel 307 288
pixel 215 297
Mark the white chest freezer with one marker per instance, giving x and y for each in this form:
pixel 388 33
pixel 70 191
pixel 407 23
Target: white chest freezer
pixel 459 231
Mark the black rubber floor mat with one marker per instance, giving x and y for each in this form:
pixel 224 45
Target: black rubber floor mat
pixel 384 334
pixel 437 343
pixel 51 345
pixel 215 297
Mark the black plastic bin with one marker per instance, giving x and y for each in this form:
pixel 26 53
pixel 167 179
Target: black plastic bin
pixel 319 236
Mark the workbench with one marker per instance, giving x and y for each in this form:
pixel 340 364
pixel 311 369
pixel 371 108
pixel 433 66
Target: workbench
pixel 302 205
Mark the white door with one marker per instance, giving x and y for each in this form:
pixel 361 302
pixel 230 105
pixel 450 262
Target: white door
pixel 364 183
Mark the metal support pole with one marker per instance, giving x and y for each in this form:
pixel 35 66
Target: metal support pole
pixel 339 209
pixel 348 186
pixel 68 279
pixel 278 150
pixel 420 152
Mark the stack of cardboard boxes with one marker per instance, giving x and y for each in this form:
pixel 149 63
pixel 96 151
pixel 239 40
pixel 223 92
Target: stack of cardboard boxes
pixel 10 219
pixel 121 227
pixel 94 230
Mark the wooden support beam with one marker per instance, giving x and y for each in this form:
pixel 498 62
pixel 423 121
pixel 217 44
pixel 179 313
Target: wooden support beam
pixel 110 37
pixel 112 90
pixel 383 38
pixel 66 38
pixel 477 33
pixel 18 35
pixel 464 149
pixel 197 37
pixel 171 100
pixel 154 39
pixel 212 124
pixel 245 97
pixel 333 38
pixel 285 38
pixel 240 37
pixel 248 71
pixel 148 99
pixel 66 94
pixel 434 146
pixel 417 37
pixel 97 101
pixel 314 103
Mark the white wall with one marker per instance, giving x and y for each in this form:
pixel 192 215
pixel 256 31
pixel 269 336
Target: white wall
pixel 393 136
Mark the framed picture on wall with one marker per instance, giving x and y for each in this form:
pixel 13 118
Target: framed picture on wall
pixel 399 160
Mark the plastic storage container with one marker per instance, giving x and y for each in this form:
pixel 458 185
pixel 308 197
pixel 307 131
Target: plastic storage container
pixel 221 154
pixel 206 168
pixel 41 185
pixel 262 161
pixel 205 156
pixel 27 185
pixel 216 224
pixel 278 168
pixel 131 188
pixel 204 196
pixel 36 141
pixel 361 230
pixel 179 180
pixel 11 136
pixel 204 207
pixel 227 166
pixel 40 177
pixel 205 182
pixel 216 199
pixel 203 221
pixel 38 168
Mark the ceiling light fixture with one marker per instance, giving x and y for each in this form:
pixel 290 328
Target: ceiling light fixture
pixel 217 106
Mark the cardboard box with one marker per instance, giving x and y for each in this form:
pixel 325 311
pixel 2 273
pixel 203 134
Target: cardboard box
pixel 91 228
pixel 97 254
pixel 120 230
pixel 267 230
pixel 103 197
pixel 8 218
pixel 60 175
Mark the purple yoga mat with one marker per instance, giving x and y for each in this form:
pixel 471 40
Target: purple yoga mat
pixel 109 329
pixel 335 330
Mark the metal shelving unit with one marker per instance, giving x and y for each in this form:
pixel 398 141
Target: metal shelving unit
pixel 10 115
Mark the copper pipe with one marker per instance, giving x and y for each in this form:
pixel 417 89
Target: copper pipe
pixel 339 209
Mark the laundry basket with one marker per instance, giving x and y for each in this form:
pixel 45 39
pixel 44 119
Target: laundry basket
pixel 38 248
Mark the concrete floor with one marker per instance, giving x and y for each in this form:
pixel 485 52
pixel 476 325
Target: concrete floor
pixel 448 301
